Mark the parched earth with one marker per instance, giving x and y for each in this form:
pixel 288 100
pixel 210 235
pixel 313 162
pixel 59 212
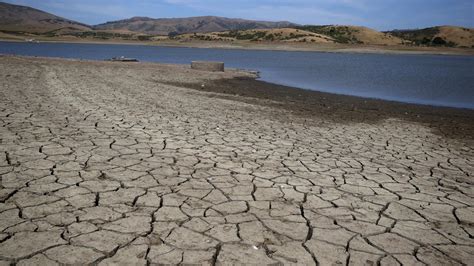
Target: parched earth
pixel 109 163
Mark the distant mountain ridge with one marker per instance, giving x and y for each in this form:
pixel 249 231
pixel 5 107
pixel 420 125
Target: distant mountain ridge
pixel 21 20
pixel 164 26
pixel 27 19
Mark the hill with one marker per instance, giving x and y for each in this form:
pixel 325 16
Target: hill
pixel 269 35
pixel 353 34
pixel 30 20
pixel 165 26
pixel 451 36
pixel 18 21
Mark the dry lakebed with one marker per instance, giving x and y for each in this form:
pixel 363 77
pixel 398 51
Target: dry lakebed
pixel 139 163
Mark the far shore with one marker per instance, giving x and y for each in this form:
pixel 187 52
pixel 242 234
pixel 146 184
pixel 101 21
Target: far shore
pixel 330 48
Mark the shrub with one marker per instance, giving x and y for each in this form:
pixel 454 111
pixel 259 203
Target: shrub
pixel 438 41
pixel 270 37
pixel 173 34
pixel 144 37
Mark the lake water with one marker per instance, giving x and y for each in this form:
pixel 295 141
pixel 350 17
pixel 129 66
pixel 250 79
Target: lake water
pixel 425 79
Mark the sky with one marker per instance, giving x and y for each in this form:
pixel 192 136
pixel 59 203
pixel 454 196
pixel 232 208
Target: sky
pixel 377 14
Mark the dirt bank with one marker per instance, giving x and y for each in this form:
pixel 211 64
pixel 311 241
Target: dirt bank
pixel 121 163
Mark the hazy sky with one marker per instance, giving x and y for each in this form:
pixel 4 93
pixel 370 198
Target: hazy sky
pixel 379 14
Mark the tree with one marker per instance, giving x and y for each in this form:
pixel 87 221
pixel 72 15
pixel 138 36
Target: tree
pixel 173 34
pixel 438 41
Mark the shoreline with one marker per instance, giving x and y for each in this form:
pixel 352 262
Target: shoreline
pixel 243 86
pixel 369 98
pixel 336 48
pixel 341 108
pixel 265 84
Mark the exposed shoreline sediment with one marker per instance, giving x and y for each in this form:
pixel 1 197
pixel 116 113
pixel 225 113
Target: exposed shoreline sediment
pixel 336 48
pixel 136 163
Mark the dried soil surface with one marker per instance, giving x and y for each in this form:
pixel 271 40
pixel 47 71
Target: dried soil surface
pixel 136 163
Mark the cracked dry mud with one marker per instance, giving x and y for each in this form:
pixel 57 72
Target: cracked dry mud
pixel 105 163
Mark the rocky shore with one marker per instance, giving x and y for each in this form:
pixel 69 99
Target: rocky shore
pixel 136 163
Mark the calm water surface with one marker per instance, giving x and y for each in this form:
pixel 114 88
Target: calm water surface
pixel 425 79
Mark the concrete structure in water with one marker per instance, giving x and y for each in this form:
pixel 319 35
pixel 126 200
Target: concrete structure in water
pixel 208 66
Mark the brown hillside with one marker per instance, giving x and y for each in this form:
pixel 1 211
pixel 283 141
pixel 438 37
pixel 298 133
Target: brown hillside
pixel 439 36
pixel 279 35
pixel 27 19
pixel 459 36
pixel 164 26
pixel 370 36
pixel 353 34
